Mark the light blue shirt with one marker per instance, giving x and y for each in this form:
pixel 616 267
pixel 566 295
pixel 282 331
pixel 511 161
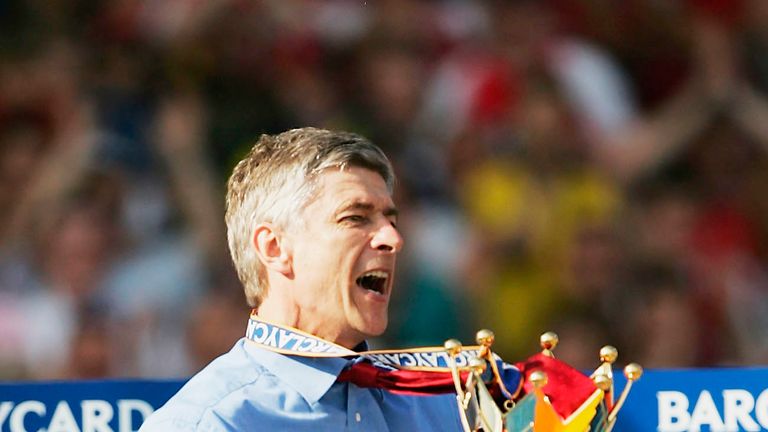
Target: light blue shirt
pixel 253 389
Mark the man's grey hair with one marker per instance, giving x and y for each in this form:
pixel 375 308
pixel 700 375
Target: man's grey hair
pixel 277 179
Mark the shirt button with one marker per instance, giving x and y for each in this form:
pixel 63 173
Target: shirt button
pixel 358 417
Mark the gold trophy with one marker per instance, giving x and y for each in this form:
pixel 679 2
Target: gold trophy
pixel 543 402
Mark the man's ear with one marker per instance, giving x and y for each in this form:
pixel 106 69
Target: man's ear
pixel 272 248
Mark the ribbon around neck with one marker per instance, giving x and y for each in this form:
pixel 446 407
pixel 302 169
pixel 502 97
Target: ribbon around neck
pixel 290 341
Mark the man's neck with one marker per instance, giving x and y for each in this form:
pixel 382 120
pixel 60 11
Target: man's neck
pixel 290 314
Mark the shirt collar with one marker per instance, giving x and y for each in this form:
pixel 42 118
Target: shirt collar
pixel 311 377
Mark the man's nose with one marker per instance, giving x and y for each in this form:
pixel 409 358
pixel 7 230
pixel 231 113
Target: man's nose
pixel 387 238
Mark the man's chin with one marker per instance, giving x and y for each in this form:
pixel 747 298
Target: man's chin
pixel 373 328
pixel 361 332
pixel 369 318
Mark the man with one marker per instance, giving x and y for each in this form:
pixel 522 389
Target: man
pixel 312 230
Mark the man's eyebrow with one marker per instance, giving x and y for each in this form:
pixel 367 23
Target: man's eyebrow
pixel 366 206
pixel 355 205
pixel 391 211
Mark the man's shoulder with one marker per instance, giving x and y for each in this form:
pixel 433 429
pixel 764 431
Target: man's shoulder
pixel 206 391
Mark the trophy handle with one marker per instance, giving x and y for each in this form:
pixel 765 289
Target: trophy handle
pixel 453 348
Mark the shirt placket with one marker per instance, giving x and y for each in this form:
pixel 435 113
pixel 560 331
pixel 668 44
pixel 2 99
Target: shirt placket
pixel 363 411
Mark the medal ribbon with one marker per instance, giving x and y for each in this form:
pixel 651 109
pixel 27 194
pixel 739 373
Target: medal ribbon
pixel 290 341
pixel 416 371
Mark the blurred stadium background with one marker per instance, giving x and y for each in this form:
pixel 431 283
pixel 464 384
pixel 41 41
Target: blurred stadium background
pixel 592 167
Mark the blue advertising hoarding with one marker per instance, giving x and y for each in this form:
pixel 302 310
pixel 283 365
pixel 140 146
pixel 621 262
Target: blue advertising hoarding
pixel 91 406
pixel 714 400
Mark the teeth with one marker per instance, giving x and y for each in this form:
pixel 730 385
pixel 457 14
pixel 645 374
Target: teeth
pixel 376 273
pixel 374 280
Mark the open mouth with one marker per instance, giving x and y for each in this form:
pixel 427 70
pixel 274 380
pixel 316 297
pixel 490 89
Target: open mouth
pixel 375 281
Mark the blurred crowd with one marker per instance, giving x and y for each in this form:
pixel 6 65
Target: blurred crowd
pixel 591 167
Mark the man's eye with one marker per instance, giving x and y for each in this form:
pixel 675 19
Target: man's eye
pixel 354 219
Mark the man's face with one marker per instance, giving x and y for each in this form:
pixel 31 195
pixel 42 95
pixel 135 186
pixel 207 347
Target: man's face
pixel 343 256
